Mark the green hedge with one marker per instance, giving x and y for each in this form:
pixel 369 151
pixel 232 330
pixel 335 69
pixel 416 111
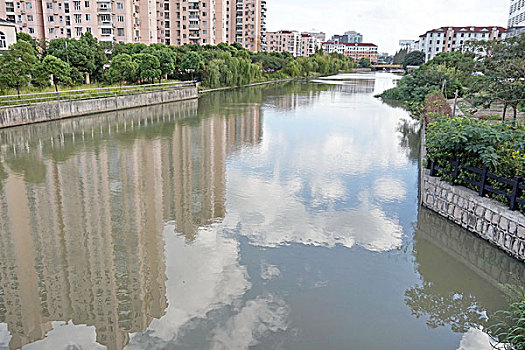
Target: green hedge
pixel 501 148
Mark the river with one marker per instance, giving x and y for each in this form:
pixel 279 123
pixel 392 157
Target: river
pixel 281 216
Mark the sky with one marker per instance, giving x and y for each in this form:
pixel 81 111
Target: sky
pixel 384 22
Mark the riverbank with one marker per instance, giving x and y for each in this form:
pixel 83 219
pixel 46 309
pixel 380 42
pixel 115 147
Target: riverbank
pixel 61 109
pixel 484 217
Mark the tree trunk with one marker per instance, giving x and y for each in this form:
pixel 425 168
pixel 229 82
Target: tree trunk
pixel 514 114
pixel 504 111
pixel 18 89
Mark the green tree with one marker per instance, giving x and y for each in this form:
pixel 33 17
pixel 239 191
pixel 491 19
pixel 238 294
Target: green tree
pixel 122 68
pixel 16 65
pixel 85 54
pixel 414 58
pixel 191 63
pixel 148 66
pixel 399 57
pixel 39 76
pixel 364 63
pixel 60 70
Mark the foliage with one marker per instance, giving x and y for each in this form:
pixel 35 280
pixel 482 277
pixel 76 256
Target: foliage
pixel 148 66
pixel 414 58
pixel 192 62
pixel 60 70
pixel 509 328
pixel 479 144
pixel 16 65
pixel 364 63
pixel 436 105
pixel 85 54
pixel 417 85
pixel 400 56
pixel 503 74
pixel 122 68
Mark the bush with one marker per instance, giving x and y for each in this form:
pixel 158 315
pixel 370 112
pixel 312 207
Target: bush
pixel 475 143
pixel 510 328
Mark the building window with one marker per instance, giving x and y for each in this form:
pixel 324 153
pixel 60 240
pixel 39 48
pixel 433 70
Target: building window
pixel 29 5
pixel 120 18
pixel 86 4
pixel 120 31
pixel 78 18
pixel 3 41
pixel 50 19
pixel 76 5
pixel 49 5
pixel 78 30
pixel 30 18
pixel 88 17
pixel 120 6
pixel 9 7
pixel 88 29
pixel 31 30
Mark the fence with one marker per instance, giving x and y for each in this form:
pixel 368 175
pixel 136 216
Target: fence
pixel 486 182
pixel 29 99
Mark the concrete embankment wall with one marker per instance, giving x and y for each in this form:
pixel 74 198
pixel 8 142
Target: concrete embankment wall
pixel 66 109
pixel 485 217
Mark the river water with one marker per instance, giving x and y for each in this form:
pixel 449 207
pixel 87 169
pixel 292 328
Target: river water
pixel 272 217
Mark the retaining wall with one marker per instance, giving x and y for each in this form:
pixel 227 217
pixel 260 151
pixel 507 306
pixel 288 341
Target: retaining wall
pixel 483 216
pixel 66 109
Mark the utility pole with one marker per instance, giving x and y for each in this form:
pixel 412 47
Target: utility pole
pixel 455 103
pixel 443 87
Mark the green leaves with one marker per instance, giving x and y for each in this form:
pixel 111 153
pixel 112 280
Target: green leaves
pixel 16 65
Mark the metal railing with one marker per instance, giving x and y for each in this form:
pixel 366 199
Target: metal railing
pixel 486 183
pixel 68 95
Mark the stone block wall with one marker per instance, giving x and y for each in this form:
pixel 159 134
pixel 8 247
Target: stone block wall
pixel 67 109
pixel 485 217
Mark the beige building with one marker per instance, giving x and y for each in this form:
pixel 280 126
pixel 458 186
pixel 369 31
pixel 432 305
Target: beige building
pixel 357 51
pixel 448 39
pixel 298 44
pixel 174 22
pixel 7 34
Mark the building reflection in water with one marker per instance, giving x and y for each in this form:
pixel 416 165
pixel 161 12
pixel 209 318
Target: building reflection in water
pixel 83 211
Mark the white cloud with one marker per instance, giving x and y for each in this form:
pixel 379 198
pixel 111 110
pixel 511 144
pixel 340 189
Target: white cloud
pixel 256 319
pixel 388 189
pixel 65 336
pixel 384 22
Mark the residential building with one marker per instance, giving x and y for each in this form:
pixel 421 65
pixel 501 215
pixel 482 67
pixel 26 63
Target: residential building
pixel 175 22
pixel 448 39
pixel 321 36
pixel 514 32
pixel 297 44
pixel 517 13
pixel 7 34
pixel 357 51
pixel 348 37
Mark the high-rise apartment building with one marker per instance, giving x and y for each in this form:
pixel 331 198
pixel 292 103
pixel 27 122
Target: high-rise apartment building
pixel 174 22
pixel 517 13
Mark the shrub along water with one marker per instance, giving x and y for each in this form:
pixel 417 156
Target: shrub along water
pixel 500 148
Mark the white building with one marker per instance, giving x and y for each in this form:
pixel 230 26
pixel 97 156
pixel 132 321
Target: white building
pixel 298 44
pixel 357 51
pixel 449 39
pixel 517 13
pixel 7 34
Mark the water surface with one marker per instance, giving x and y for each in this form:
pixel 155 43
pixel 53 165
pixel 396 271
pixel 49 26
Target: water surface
pixel 273 217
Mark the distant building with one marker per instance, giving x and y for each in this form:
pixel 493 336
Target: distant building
pixel 297 44
pixel 357 51
pixel 517 13
pixel 7 34
pixel 514 32
pixel 406 44
pixel 449 39
pixel 348 37
pixel 318 35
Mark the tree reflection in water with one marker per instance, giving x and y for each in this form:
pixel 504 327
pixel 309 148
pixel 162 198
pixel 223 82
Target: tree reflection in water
pixel 458 272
